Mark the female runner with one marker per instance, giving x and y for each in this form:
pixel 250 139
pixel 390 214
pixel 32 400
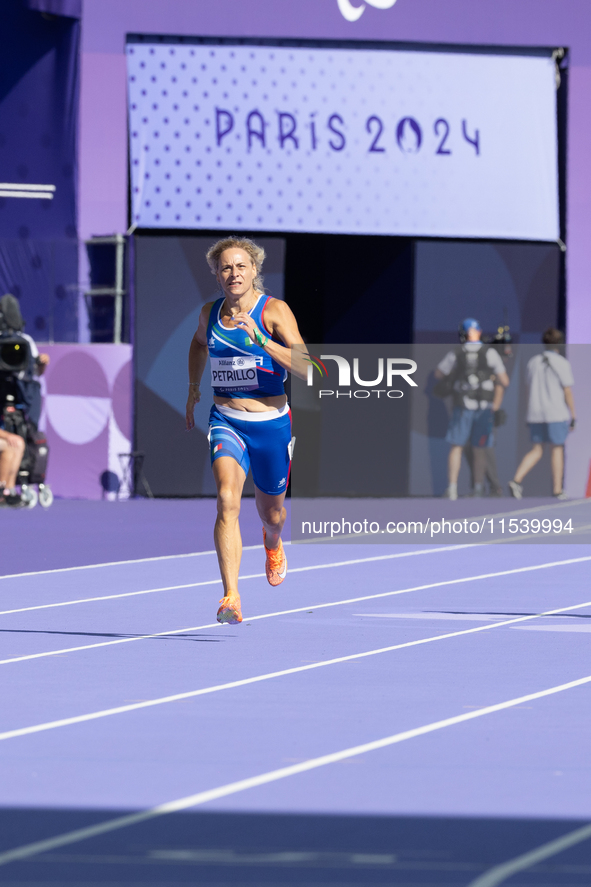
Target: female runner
pixel 248 337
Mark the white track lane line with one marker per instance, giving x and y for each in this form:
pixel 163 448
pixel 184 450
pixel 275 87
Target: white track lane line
pixel 500 873
pixel 241 785
pixel 191 694
pixel 113 597
pixel 139 560
pixel 110 597
pixel 169 557
pixel 354 600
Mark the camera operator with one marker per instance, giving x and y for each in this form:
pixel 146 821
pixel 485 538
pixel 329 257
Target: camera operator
pixel 476 377
pixel 501 342
pixel 29 389
pixel 22 386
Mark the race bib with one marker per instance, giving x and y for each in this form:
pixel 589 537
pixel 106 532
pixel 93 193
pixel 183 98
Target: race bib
pixel 235 373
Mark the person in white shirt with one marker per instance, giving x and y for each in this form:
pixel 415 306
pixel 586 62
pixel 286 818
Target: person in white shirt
pixel 550 411
pixel 477 379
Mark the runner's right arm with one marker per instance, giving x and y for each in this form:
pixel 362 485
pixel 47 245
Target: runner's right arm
pixel 198 354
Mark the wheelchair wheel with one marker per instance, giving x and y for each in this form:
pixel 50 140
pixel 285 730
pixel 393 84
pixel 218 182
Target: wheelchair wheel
pixel 45 496
pixel 29 497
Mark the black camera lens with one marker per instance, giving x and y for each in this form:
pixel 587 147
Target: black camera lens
pixel 13 355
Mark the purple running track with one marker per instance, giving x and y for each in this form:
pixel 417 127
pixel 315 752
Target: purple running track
pixel 526 764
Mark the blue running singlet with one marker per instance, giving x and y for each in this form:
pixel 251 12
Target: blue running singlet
pixel 239 367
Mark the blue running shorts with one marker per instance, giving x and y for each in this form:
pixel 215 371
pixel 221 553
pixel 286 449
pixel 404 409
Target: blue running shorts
pixel 471 426
pixel 261 443
pixel 554 433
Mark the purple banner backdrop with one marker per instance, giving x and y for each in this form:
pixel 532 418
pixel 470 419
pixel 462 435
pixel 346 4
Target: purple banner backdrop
pixel 87 415
pixel 39 98
pixel 70 8
pixel 103 133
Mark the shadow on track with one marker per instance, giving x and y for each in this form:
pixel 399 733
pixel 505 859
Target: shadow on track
pixel 278 849
pixel 105 634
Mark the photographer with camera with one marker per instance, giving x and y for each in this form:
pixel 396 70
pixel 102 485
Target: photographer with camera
pixel 501 342
pixel 20 394
pixel 28 388
pixel 475 376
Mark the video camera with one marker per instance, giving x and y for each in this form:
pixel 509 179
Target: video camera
pixel 502 336
pixel 15 353
pixel 501 341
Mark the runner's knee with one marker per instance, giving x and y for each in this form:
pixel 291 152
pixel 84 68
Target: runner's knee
pixel 228 502
pixel 272 516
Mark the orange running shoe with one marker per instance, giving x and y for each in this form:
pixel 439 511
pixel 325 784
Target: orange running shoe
pixel 230 611
pixel 276 563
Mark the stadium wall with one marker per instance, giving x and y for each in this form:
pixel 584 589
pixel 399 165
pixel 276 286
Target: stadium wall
pixel 87 416
pixel 103 124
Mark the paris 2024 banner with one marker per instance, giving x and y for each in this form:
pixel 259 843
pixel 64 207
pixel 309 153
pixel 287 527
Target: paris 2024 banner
pixel 342 140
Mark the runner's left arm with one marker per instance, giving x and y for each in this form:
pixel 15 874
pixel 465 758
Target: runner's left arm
pixel 281 323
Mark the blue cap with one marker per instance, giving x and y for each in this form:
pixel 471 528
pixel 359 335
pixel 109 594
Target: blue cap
pixel 470 324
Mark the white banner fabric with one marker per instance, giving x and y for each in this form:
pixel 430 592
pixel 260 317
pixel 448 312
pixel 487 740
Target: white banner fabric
pixel 349 141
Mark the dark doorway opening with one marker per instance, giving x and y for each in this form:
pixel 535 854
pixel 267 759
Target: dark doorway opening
pixel 350 288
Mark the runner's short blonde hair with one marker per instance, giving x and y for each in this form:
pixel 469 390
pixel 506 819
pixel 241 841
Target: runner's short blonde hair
pixel 256 253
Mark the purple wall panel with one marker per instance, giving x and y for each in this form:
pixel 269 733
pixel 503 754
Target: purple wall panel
pixel 86 414
pixel 530 22
pixel 103 145
pixel 69 8
pixel 578 233
pixel 39 102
